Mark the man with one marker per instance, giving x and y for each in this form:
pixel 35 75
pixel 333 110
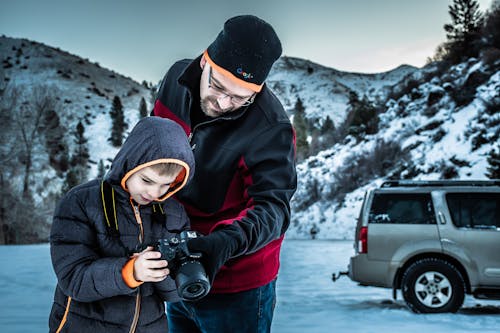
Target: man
pixel 245 176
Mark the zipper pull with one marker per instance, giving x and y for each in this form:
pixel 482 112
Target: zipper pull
pixel 190 138
pixel 138 220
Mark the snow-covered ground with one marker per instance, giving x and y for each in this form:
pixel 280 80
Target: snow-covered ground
pixel 308 301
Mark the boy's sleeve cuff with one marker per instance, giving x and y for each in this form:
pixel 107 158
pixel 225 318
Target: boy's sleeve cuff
pixel 128 274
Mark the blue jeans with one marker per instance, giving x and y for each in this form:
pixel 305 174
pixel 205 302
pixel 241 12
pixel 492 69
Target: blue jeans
pixel 248 311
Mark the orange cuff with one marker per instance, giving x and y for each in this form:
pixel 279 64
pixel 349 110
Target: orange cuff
pixel 128 274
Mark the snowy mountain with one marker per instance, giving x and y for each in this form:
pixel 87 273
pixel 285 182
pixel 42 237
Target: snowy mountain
pixel 432 124
pixel 436 124
pixel 84 89
pixel 325 91
pixel 34 76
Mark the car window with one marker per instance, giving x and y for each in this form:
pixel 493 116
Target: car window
pixel 475 210
pixel 402 209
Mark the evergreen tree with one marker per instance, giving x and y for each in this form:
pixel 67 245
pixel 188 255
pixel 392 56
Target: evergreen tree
pixel 328 133
pixel 55 142
pixel 118 122
pixel 328 126
pixel 363 118
pixel 143 108
pixel 79 160
pixel 153 92
pixel 81 154
pixel 101 170
pixel 491 30
pixel 493 160
pixel 70 181
pixel 463 31
pixel 300 125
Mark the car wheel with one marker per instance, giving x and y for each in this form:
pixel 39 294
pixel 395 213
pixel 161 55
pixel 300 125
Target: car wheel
pixel 433 285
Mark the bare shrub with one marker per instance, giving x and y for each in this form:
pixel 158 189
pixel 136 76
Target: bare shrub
pixel 386 157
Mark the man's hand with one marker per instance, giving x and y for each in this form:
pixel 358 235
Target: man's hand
pixel 216 248
pixel 147 267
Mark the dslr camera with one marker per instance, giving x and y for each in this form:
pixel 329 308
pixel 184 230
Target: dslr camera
pixel 185 266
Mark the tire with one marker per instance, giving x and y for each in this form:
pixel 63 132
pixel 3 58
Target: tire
pixel 433 285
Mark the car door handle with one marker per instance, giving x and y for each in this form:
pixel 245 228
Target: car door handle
pixel 441 218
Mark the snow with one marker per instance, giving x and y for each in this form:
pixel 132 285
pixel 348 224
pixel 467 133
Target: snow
pixel 404 121
pixel 324 91
pixel 307 299
pixel 87 90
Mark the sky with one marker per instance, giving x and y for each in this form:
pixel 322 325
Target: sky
pixel 307 299
pixel 142 39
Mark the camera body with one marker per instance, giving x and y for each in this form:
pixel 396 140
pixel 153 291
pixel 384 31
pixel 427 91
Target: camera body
pixel 185 267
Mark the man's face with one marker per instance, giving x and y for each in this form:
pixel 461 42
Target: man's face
pixel 220 95
pixel 147 185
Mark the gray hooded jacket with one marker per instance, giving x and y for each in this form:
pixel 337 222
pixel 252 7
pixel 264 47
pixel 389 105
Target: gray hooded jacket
pixel 91 294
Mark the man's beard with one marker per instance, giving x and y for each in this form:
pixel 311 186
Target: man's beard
pixel 207 106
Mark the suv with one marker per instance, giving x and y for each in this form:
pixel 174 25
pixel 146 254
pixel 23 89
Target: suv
pixel 434 240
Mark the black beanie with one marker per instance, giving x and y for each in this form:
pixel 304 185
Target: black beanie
pixel 246 49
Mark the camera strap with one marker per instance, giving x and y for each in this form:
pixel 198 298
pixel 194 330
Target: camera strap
pixel 158 215
pixel 109 208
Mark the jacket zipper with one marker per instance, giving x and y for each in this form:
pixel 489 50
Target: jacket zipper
pixel 191 135
pixel 135 320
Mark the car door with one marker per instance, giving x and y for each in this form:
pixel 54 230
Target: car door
pixel 401 224
pixel 469 227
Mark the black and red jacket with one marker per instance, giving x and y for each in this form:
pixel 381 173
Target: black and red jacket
pixel 245 174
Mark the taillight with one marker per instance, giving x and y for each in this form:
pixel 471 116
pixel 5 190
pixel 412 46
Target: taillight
pixel 363 240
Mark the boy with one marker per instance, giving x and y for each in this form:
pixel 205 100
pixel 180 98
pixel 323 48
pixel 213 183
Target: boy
pixel 101 288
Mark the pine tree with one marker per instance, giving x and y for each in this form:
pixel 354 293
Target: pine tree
pixel 81 154
pixel 70 181
pixel 153 92
pixel 300 125
pixel 328 133
pixel 79 159
pixel 363 118
pixel 101 170
pixel 55 142
pixel 143 108
pixel 463 31
pixel 118 122
pixel 491 30
pixel 493 160
pixel 327 126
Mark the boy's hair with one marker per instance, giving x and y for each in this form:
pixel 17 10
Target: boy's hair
pixel 164 169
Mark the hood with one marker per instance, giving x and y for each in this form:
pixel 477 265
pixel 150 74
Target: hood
pixel 153 140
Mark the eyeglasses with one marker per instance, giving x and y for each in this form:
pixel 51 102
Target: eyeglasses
pixel 235 100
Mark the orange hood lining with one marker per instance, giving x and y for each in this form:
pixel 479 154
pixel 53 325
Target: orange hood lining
pixel 176 185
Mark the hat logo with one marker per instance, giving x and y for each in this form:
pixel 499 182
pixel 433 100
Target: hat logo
pixel 245 75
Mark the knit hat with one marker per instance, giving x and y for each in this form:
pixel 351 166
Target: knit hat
pixel 245 51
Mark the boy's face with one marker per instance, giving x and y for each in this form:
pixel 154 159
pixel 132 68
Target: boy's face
pixel 147 185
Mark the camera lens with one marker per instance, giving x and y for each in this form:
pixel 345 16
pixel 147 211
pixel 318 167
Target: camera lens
pixel 191 280
pixel 194 289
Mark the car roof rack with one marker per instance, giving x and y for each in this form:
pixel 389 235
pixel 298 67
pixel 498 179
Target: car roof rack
pixel 430 183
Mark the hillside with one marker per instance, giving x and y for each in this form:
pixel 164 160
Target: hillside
pixel 78 90
pixel 325 91
pixel 441 125
pixel 432 123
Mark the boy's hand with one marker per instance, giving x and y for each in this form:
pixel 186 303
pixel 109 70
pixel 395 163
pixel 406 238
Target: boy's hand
pixel 147 267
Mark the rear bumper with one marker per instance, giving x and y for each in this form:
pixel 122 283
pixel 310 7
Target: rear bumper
pixel 371 272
